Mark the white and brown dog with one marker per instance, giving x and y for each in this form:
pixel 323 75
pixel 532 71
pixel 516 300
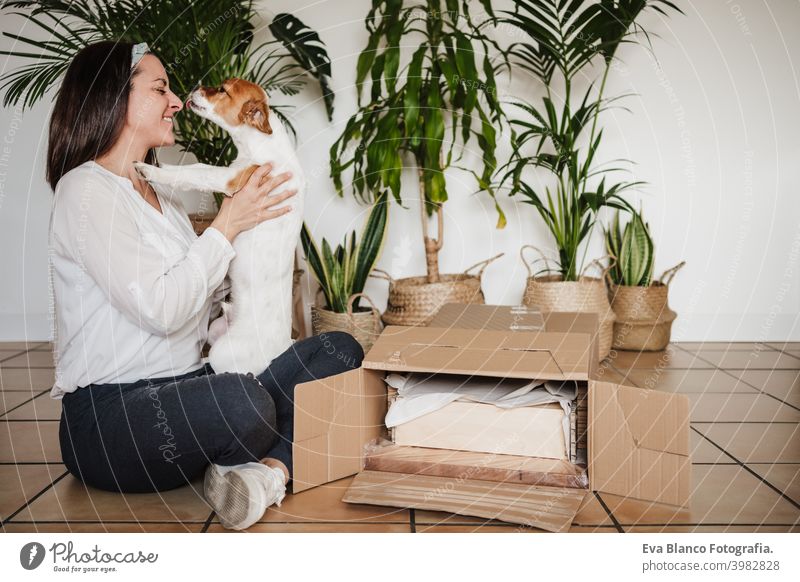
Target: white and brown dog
pixel 259 318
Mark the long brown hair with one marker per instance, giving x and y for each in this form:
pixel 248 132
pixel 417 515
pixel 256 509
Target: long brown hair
pixel 90 109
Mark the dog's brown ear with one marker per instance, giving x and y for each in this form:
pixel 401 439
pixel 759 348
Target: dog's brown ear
pixel 256 114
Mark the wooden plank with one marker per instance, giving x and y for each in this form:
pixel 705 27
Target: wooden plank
pixel 479 466
pixel 549 508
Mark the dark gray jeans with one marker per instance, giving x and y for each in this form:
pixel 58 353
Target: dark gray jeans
pixel 160 433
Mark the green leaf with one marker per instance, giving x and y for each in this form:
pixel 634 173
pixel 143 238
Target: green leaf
pixel 411 96
pixel 316 262
pixel 305 45
pixel 372 240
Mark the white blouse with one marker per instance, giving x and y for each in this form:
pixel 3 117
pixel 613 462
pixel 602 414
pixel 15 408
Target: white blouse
pixel 131 289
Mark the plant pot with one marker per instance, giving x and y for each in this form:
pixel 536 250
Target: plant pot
pixel 364 325
pixel 644 319
pixel 586 295
pixel 414 301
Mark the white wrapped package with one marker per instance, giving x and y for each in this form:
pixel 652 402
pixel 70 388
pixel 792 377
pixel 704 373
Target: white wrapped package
pixel 421 394
pixel 433 397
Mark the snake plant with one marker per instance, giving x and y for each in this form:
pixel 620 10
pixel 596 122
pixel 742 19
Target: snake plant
pixel 633 249
pixel 208 40
pixel 344 271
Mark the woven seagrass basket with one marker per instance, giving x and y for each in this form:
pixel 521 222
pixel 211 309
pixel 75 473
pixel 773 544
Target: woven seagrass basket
pixel 644 319
pixel 414 301
pixel 587 295
pixel 364 325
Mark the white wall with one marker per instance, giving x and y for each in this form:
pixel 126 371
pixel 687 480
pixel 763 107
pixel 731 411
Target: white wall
pixel 713 130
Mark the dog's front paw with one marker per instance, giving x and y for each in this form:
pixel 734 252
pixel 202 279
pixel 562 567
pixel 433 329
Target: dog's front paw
pixel 145 171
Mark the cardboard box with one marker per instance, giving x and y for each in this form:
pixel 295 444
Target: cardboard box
pixel 638 440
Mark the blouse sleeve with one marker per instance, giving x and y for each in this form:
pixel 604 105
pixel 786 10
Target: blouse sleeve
pixel 92 225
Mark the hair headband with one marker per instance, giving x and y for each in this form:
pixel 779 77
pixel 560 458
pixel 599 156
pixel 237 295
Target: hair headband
pixel 137 52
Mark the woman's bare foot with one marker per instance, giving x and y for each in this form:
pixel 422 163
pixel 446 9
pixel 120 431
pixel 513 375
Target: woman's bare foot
pixel 270 462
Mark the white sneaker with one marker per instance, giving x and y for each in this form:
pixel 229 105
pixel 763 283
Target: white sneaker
pixel 240 494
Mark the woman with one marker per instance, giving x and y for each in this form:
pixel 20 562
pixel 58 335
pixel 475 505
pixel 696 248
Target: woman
pixel 134 289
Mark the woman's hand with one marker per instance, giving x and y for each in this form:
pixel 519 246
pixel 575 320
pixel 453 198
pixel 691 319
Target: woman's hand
pixel 253 204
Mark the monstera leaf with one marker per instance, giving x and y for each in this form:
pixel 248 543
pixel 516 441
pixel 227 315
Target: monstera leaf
pixel 308 50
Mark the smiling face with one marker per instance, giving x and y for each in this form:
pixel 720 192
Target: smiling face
pixel 151 104
pixel 233 104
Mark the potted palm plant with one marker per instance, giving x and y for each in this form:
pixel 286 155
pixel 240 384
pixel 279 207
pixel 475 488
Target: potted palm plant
pixel 644 319
pixel 564 42
pixel 449 81
pixel 342 274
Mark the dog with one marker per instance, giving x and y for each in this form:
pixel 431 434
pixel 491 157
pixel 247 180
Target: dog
pixel 259 317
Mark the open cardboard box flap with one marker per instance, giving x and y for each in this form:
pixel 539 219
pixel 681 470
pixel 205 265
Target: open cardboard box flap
pixel 638 439
pixel 505 354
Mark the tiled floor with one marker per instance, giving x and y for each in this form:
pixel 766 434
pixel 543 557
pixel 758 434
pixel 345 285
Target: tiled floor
pixel 745 429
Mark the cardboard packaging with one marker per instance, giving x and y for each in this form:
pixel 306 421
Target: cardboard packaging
pixel 638 440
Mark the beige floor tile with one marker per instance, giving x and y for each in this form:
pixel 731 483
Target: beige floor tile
pixel 41 408
pixel 784 384
pixel 685 381
pixel 784 345
pixel 312 527
pixel 765 360
pixel 756 442
pixel 9 400
pixel 20 379
pixel 705 452
pixel 19 483
pixel 31 442
pixel 71 500
pixel 725 494
pixel 324 503
pixel 18 345
pixel 785 477
pixel 592 529
pixel 6 354
pixel 591 513
pixel 104 527
pixel 712 528
pixel 31 359
pixel 723 346
pixel 43 347
pixel 739 407
pixel 672 358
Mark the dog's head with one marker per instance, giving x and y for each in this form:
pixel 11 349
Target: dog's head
pixel 234 103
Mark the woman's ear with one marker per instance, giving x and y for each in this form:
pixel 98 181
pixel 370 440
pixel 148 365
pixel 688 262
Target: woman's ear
pixel 256 114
